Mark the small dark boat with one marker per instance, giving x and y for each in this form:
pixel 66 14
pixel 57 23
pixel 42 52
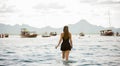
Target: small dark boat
pixel 45 35
pixel 27 34
pixel 4 35
pixel 117 34
pixel 53 33
pixel 82 34
pixel 106 33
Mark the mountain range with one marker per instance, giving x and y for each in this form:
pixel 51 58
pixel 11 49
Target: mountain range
pixel 81 26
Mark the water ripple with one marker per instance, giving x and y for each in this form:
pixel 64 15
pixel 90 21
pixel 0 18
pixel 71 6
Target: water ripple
pixel 101 51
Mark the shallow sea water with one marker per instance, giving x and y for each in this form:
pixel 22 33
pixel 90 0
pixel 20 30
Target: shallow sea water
pixel 91 50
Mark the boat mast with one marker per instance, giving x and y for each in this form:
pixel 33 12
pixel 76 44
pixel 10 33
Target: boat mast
pixel 109 18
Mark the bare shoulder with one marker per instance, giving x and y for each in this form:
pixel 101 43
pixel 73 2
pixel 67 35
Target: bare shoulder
pixel 62 34
pixel 70 34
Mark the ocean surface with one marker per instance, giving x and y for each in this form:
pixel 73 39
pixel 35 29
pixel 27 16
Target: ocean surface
pixel 90 50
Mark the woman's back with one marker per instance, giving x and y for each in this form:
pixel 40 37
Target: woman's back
pixel 65 44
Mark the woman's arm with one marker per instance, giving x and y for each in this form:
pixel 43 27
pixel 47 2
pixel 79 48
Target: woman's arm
pixel 71 40
pixel 59 40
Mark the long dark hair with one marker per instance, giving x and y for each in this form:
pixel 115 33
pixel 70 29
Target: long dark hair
pixel 66 32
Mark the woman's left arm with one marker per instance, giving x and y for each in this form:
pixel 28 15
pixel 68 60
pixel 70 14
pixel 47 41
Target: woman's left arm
pixel 59 41
pixel 71 41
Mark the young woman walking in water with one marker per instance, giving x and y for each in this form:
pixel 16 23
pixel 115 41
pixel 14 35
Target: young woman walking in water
pixel 66 45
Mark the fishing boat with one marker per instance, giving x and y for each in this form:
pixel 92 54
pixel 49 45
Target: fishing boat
pixel 106 33
pixel 82 34
pixel 53 33
pixel 4 35
pixel 27 34
pixel 45 34
pixel 117 34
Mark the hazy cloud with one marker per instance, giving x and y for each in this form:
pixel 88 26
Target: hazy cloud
pixel 5 8
pixel 49 6
pixel 88 1
pixel 101 1
pixel 110 2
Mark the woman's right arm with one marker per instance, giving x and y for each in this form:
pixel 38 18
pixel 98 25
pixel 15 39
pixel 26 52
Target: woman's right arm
pixel 59 41
pixel 71 40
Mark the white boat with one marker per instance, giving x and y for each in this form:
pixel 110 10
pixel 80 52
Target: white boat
pixel 45 34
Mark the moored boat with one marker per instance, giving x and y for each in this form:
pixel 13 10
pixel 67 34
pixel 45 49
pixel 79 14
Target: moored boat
pixel 45 34
pixel 82 34
pixel 53 33
pixel 4 35
pixel 27 34
pixel 106 33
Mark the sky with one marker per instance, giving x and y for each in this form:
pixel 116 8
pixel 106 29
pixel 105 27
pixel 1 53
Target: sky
pixel 57 13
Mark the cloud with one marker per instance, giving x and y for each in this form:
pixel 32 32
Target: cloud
pixel 110 2
pixel 88 1
pixel 5 8
pixel 101 1
pixel 48 6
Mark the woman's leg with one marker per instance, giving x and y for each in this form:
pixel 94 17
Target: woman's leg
pixel 67 54
pixel 63 54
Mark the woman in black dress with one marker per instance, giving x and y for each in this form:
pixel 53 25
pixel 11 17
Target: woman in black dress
pixel 66 45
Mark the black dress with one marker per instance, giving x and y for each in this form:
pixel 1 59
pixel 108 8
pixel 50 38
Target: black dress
pixel 65 45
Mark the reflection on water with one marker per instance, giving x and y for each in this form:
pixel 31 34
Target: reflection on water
pixel 87 51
